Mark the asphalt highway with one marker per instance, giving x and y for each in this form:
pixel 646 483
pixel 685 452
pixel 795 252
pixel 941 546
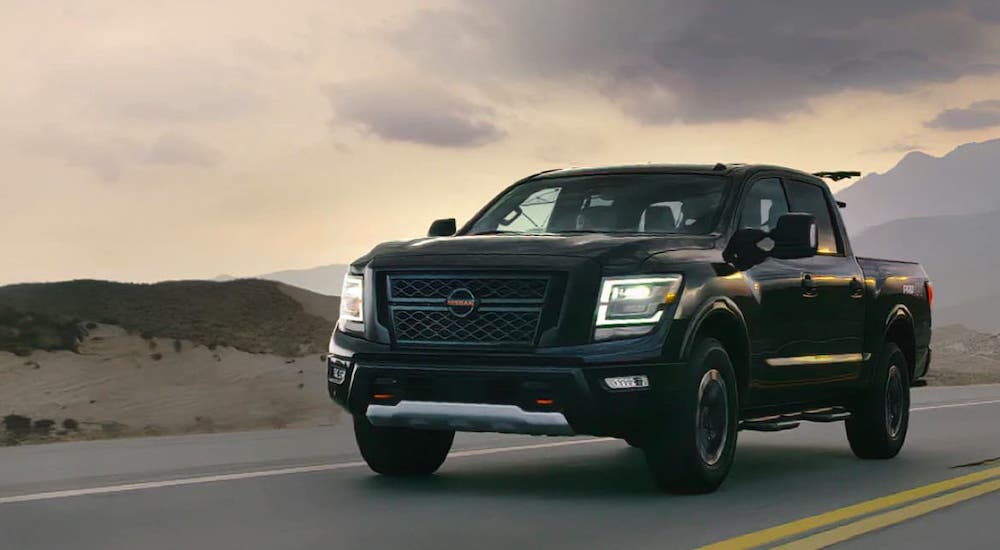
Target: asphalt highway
pixel 308 489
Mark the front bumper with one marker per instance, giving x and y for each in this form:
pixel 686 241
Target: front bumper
pixel 468 417
pixel 502 393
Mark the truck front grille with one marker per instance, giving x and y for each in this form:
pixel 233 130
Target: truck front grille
pixel 483 288
pixel 434 309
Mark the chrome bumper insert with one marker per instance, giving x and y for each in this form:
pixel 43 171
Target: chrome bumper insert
pixel 468 417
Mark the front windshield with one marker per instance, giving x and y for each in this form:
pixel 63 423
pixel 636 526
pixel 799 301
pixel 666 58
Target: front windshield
pixel 608 203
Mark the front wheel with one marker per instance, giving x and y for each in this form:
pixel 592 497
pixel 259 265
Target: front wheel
pixel 693 448
pixel 878 424
pixel 401 451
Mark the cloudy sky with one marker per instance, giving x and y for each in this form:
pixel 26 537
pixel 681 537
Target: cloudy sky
pixel 148 140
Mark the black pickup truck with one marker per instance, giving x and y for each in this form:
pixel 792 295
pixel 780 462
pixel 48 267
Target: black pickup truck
pixel 667 305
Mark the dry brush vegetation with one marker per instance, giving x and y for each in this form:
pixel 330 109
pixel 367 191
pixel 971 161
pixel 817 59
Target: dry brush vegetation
pixel 251 315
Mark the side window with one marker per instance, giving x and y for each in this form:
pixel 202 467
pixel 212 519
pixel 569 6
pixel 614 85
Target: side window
pixel 533 213
pixel 806 197
pixel 763 204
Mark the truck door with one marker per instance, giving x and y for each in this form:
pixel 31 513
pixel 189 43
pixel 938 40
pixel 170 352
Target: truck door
pixel 832 288
pixel 779 328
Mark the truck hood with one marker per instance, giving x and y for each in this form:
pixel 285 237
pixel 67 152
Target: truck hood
pixel 618 250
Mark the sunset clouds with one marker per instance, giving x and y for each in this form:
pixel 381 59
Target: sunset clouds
pixel 150 140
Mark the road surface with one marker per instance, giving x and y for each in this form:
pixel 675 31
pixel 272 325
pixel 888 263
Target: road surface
pixel 308 489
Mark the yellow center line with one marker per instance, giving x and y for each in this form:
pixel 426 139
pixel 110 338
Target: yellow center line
pixel 798 527
pixel 881 521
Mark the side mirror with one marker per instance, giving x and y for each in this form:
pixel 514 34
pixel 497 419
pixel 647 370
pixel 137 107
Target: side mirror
pixel 442 228
pixel 743 250
pixel 794 236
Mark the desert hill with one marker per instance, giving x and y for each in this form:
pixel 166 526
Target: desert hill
pixel 117 383
pixel 251 315
pixel 964 356
pixel 85 359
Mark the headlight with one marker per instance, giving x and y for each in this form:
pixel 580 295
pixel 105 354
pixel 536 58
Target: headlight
pixel 636 300
pixel 352 301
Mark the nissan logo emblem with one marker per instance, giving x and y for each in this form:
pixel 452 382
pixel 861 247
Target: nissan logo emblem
pixel 461 302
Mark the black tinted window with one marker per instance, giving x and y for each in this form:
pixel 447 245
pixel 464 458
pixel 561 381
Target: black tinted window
pixel 763 204
pixel 809 198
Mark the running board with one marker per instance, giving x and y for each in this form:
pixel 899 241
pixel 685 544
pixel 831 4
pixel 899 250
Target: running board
pixel 832 414
pixel 790 421
pixel 769 424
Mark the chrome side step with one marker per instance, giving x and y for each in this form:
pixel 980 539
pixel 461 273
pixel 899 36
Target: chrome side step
pixel 830 414
pixel 468 417
pixel 781 422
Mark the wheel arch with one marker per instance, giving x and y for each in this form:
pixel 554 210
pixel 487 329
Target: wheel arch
pixel 722 319
pixel 899 329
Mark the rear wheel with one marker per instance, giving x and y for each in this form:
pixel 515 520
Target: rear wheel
pixel 693 448
pixel 401 451
pixel 878 424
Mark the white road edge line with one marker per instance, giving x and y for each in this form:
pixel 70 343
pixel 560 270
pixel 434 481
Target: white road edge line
pixel 953 405
pixel 269 473
pixel 339 466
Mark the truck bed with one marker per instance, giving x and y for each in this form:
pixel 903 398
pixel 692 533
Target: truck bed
pixel 881 268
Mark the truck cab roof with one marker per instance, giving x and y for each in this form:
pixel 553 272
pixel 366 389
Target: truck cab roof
pixel 731 169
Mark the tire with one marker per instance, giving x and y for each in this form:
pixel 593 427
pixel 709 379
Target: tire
pixel 879 421
pixel 692 450
pixel 401 451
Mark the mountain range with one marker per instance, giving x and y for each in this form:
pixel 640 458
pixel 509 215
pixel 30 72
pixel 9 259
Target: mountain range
pixel 964 181
pixel 943 212
pixel 324 279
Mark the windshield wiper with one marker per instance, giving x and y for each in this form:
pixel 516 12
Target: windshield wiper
pixel 567 232
pixel 499 232
pixel 597 231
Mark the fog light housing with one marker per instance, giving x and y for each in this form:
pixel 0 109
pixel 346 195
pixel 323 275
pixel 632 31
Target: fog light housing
pixel 337 372
pixel 634 382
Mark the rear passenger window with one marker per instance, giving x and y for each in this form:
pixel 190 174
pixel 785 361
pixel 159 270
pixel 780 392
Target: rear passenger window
pixel 809 198
pixel 764 203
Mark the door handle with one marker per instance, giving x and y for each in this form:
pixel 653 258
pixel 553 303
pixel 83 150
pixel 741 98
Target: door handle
pixel 809 287
pixel 856 288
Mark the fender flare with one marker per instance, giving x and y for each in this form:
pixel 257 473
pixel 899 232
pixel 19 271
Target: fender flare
pixel 710 307
pixel 898 313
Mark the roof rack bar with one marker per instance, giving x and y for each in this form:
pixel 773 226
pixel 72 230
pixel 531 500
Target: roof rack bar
pixel 837 176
